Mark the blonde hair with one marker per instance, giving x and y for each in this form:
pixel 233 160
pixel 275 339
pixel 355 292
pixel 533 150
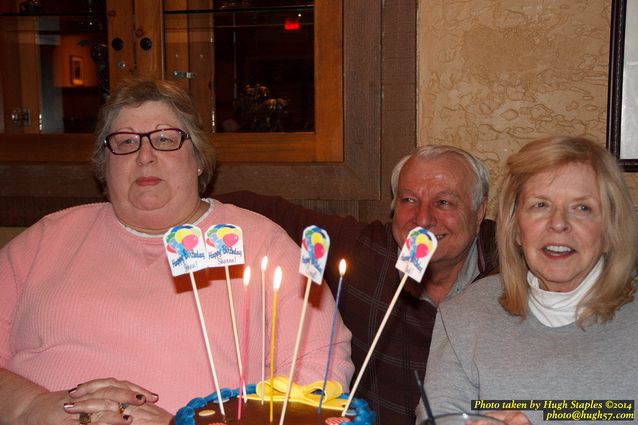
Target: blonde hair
pixel 614 286
pixel 133 92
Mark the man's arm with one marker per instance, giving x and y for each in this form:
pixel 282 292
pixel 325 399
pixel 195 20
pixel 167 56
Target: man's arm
pixel 291 217
pixel 343 231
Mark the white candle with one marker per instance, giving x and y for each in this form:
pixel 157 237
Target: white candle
pixel 243 340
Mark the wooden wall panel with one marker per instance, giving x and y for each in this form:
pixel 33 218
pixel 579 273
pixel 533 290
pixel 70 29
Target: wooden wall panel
pixel 379 128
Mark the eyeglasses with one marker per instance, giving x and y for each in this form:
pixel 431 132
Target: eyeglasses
pixel 126 142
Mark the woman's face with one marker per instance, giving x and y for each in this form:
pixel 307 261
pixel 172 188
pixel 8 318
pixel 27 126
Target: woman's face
pixel 150 189
pixel 560 225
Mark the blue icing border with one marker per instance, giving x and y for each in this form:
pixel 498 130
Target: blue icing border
pixel 186 415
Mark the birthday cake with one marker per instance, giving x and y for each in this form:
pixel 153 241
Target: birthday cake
pixel 269 401
pixel 301 408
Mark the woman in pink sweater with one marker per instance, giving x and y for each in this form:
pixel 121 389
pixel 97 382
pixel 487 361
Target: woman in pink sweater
pixel 94 328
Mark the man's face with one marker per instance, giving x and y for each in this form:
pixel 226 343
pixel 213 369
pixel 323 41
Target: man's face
pixel 436 195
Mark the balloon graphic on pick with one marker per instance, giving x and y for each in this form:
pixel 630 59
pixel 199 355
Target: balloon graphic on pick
pixel 421 251
pixel 182 239
pixel 185 249
pixel 318 244
pixel 223 235
pixel 230 239
pixel 181 233
pixel 227 243
pixel 315 244
pixel 189 242
pixel 422 248
pixel 172 244
pixel 416 253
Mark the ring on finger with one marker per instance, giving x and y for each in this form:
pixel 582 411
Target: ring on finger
pixel 85 418
pixel 122 407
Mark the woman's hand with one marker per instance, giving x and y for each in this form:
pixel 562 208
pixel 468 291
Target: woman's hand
pixel 115 402
pixel 102 412
pixel 46 408
pixel 510 417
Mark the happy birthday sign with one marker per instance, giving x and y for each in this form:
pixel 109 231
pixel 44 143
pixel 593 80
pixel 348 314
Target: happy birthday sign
pixel 315 244
pixel 185 249
pixel 186 253
pixel 417 251
pixel 414 256
pixel 225 245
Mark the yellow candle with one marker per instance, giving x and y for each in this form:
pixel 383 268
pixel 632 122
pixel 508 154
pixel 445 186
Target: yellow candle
pixel 276 284
pixel 264 265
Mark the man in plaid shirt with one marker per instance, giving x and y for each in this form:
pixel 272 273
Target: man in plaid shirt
pixel 441 188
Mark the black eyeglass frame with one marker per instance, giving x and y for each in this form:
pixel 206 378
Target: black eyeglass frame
pixel 183 136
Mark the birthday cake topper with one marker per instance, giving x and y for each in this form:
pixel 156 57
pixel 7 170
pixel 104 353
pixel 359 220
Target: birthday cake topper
pixel 414 258
pixel 315 244
pixel 186 252
pixel 225 245
pixel 185 249
pixel 416 253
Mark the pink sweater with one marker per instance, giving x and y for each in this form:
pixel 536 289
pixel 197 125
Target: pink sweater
pixel 84 298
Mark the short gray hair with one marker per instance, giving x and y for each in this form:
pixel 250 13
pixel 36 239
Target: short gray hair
pixel 132 92
pixel 480 186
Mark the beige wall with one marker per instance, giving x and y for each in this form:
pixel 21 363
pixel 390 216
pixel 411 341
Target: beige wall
pixel 495 74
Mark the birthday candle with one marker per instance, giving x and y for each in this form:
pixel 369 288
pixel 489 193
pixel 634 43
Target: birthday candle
pixel 342 271
pixel 276 284
pixel 243 338
pixel 264 265
pixel 185 249
pixel 413 259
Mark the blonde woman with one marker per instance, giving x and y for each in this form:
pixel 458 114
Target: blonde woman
pixel 559 322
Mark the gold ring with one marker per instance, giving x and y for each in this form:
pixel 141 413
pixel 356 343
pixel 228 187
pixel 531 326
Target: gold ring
pixel 122 407
pixel 85 418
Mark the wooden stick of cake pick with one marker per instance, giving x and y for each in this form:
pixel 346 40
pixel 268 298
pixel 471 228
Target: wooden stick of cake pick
pixel 413 260
pixel 186 253
pixel 229 290
pixel 264 265
pixel 225 248
pixel 275 284
pixel 209 352
pixel 314 252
